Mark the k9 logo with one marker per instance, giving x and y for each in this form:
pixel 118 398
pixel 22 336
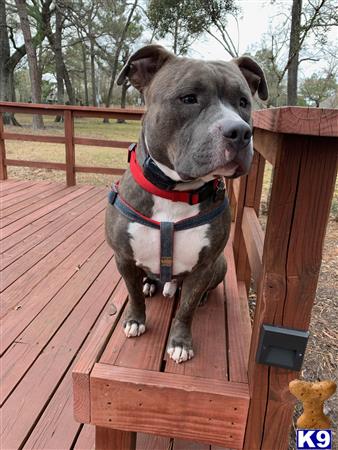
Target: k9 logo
pixel 314 439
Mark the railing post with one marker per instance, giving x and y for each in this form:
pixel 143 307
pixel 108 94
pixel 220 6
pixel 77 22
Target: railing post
pixel 250 190
pixel 3 166
pixel 302 190
pixel 70 147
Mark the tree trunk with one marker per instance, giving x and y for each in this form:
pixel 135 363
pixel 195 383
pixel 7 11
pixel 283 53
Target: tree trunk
pixel 58 57
pixel 59 61
pixel 32 60
pixel 92 69
pixel 4 53
pixel 117 55
pixel 112 79
pixel 85 76
pixel 125 87
pixel 55 41
pixel 6 72
pixel 292 86
pixel 175 44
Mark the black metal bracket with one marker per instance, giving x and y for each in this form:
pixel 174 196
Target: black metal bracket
pixel 282 347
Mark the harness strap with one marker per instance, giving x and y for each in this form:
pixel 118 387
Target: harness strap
pixel 191 222
pixel 166 229
pixel 167 247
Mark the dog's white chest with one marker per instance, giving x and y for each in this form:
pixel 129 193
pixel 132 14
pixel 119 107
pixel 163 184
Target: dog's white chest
pixel 145 241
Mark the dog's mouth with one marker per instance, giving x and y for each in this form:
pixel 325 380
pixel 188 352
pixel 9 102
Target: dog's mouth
pixel 227 171
pixel 231 170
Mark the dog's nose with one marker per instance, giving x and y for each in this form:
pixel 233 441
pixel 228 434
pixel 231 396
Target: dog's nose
pixel 237 134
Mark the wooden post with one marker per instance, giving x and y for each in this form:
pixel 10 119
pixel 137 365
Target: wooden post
pixel 109 439
pixel 301 195
pixel 3 166
pixel 250 191
pixel 70 147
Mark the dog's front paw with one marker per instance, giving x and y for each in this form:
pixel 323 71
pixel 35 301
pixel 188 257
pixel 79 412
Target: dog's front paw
pixel 133 328
pixel 149 287
pixel 180 342
pixel 170 288
pixel 180 352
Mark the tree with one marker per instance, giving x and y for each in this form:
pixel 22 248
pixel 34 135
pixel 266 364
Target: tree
pixel 217 12
pixel 273 73
pixel 317 88
pixel 310 22
pixel 296 37
pixel 120 42
pixel 5 72
pixel 294 48
pixel 183 21
pixel 55 41
pixel 9 61
pixel 32 59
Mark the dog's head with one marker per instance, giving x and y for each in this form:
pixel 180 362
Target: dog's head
pixel 198 119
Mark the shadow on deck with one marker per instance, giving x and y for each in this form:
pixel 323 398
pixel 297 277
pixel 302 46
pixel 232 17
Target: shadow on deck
pixel 58 283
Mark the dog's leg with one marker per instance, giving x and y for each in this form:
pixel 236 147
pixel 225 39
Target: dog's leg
pixel 134 321
pixel 195 285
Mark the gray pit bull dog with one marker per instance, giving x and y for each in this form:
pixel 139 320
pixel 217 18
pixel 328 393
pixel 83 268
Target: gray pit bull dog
pixel 197 128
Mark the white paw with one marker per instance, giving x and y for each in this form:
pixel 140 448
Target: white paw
pixel 148 288
pixel 134 329
pixel 180 354
pixel 170 288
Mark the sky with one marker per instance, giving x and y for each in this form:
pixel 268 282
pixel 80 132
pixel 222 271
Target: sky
pixel 254 21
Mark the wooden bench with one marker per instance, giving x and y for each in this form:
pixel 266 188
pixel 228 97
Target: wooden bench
pixel 130 384
pixel 222 396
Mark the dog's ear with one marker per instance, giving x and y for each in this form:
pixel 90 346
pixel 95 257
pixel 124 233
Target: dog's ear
pixel 254 76
pixel 143 64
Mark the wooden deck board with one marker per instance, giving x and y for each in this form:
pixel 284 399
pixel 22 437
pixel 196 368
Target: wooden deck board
pixel 48 245
pixel 18 207
pixel 9 186
pixel 208 332
pixel 28 280
pixel 86 438
pixel 34 338
pixel 51 228
pixel 54 264
pixel 58 200
pixel 32 394
pixel 17 318
pixel 39 222
pixel 28 196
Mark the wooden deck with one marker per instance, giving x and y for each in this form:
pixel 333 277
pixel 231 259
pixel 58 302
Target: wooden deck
pixel 58 278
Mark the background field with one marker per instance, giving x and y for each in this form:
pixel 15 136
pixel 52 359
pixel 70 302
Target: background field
pixel 85 155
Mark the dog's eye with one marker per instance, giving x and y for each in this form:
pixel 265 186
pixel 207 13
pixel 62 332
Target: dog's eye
pixel 189 99
pixel 243 102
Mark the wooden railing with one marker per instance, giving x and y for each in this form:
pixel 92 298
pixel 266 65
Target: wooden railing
pixel 69 113
pixel 302 146
pixel 284 262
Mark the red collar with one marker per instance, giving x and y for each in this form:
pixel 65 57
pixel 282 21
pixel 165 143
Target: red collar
pixel 192 197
